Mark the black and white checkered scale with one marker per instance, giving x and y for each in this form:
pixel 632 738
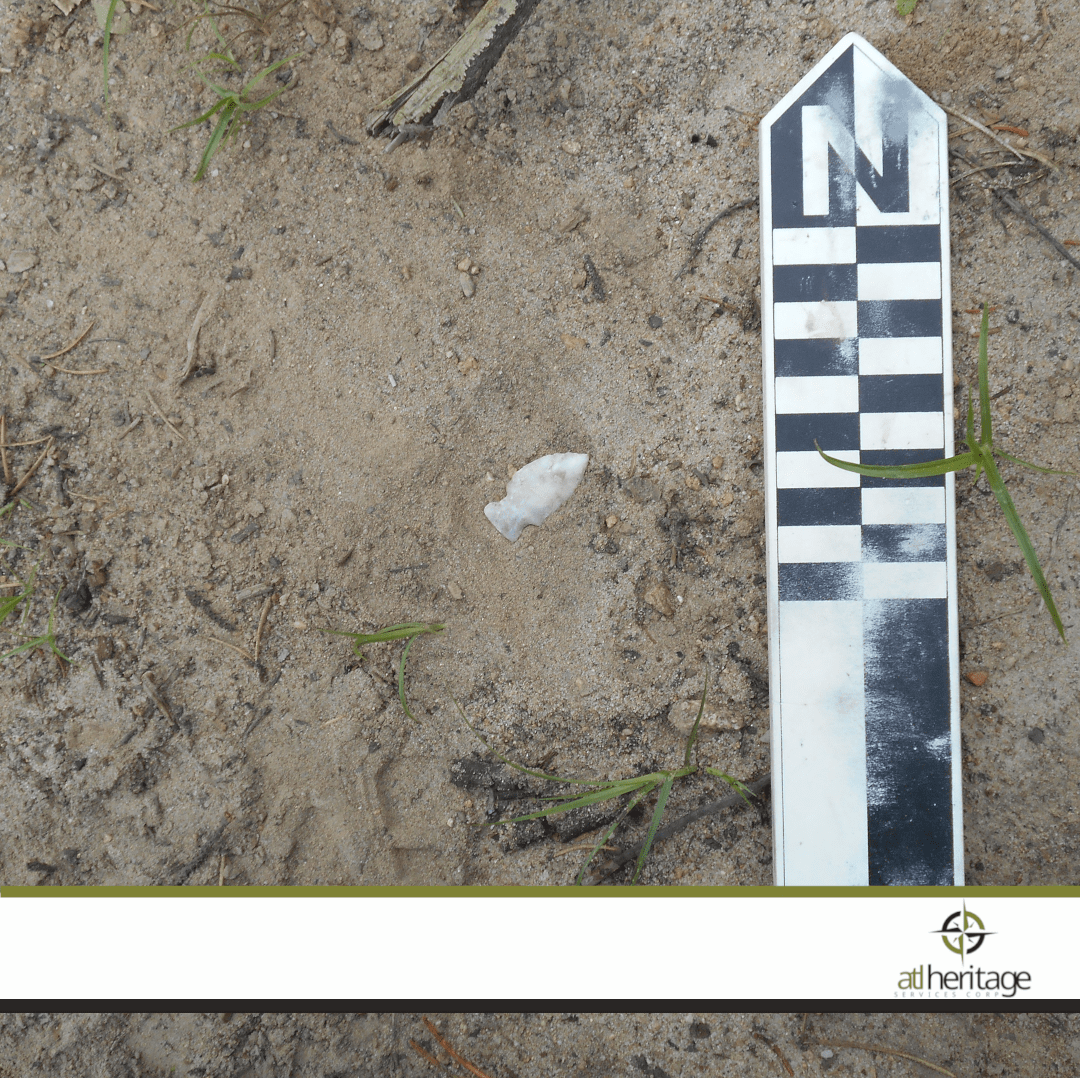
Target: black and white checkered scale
pixel 862 571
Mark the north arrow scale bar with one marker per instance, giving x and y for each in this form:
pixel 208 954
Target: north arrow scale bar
pixel 857 358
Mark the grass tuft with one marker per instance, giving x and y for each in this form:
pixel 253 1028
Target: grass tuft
pixel 981 454
pixel 8 605
pixel 407 632
pixel 633 790
pixel 232 105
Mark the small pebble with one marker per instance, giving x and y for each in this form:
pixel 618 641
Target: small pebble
pixel 579 279
pixel 977 678
pixel 468 286
pixel 611 520
pixel 826 1053
pixel 718 462
pixel 413 61
pixel 660 598
pixel 18 261
pixel 655 322
pixel 370 38
pixel 467 365
pixel 454 589
pixel 464 265
pixel 681 716
pixel 571 147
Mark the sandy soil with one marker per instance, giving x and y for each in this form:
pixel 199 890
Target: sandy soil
pixel 538 1044
pixel 351 411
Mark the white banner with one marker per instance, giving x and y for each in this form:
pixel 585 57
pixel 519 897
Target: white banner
pixel 952 951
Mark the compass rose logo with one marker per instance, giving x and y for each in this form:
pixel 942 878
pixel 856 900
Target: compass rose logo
pixel 963 932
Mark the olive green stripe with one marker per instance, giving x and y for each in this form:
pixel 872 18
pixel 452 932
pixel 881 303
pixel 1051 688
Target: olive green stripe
pixel 688 891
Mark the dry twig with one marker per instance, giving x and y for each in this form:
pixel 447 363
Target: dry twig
pixel 1020 153
pixel 245 385
pixel 130 428
pixel 70 371
pixel 885 1050
pixel 201 316
pixel 262 626
pixel 757 788
pixel 8 475
pixel 105 172
pixel 702 234
pixel 451 1051
pixel 28 442
pixel 30 472
pixel 155 696
pixel 424 1054
pixel 68 348
pixel 235 648
pixel 161 413
pixel 1018 208
pixel 777 1051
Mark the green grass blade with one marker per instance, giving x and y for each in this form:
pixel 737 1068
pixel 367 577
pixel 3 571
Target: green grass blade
pixel 217 32
pixel 643 794
pixel 513 764
pixel 617 787
pixel 222 57
pixel 919 468
pixel 254 106
pixel 401 668
pixel 594 797
pixel 23 648
pixel 997 485
pixel 10 603
pixel 401 678
pixel 389 633
pixel 393 633
pixel 738 785
pixel 106 37
pixel 697 720
pixel 607 834
pixel 986 436
pixel 658 813
pixel 10 506
pixel 972 442
pixel 269 70
pixel 411 631
pixel 1030 465
pixel 50 634
pixel 199 119
pixel 212 145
